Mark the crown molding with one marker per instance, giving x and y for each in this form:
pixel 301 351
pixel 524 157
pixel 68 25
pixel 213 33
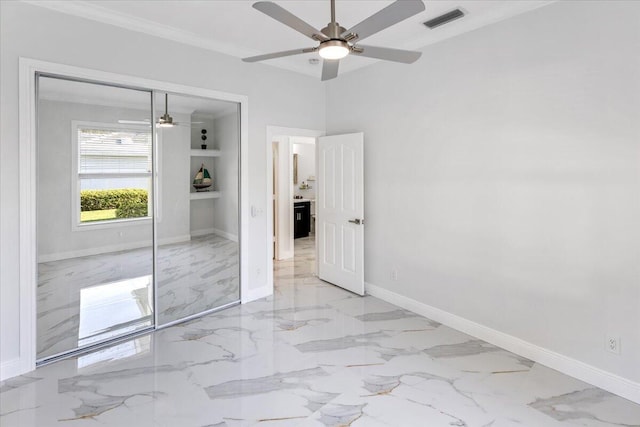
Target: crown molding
pixel 104 15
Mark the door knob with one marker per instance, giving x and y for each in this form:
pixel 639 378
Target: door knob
pixel 356 221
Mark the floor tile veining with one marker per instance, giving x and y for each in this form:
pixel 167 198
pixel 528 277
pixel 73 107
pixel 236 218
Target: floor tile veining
pixel 311 355
pixel 89 299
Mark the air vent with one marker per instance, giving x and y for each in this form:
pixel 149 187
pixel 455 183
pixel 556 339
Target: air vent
pixel 444 19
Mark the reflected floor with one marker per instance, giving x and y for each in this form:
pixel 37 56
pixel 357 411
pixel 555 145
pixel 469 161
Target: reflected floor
pixel 310 355
pixel 86 300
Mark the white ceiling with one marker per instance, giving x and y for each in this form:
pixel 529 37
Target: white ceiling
pixel 235 28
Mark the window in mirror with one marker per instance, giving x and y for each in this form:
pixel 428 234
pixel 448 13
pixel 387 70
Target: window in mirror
pixel 113 178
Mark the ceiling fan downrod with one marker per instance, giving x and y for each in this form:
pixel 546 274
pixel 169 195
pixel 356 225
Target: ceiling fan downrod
pixel 165 120
pixel 333 11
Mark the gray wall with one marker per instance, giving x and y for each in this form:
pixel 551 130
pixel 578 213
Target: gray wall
pixel 276 97
pixel 502 176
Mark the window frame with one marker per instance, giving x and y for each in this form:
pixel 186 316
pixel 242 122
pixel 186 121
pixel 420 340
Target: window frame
pixel 76 177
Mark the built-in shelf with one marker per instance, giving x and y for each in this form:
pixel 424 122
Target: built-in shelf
pixel 205 153
pixel 204 195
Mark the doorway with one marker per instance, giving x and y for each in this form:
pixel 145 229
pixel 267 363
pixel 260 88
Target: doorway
pixel 304 204
pixel 337 256
pixel 291 167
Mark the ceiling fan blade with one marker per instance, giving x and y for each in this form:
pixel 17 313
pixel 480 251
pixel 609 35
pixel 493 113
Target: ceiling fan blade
pixel 279 54
pixel 289 19
pixel 330 69
pixel 396 12
pixel 388 54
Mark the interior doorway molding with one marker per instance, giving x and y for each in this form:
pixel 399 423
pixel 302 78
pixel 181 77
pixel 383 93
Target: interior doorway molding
pixel 28 70
pixel 274 132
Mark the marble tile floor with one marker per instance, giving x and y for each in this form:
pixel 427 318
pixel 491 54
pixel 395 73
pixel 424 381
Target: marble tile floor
pixel 88 299
pixel 310 355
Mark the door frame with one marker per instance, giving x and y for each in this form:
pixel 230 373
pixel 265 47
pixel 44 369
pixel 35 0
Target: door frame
pixel 28 70
pixel 272 133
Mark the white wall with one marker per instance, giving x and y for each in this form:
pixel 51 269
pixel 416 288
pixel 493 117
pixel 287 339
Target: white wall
pixel 56 237
pixel 174 180
pixel 306 166
pixel 34 32
pixel 502 176
pixel 284 193
pixel 207 123
pixel 225 133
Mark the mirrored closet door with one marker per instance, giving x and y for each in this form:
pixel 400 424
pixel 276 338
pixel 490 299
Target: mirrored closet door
pixel 197 218
pixel 94 214
pixel 137 211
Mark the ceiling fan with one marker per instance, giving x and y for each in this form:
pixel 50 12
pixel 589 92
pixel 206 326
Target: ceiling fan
pixel 164 121
pixel 336 42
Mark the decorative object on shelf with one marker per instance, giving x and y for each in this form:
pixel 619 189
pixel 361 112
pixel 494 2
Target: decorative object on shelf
pixel 203 137
pixel 311 178
pixel 304 186
pixel 202 180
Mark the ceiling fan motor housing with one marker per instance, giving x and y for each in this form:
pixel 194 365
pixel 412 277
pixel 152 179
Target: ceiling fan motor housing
pixel 333 30
pixel 165 120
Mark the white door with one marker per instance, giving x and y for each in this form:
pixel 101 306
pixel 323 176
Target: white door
pixel 340 204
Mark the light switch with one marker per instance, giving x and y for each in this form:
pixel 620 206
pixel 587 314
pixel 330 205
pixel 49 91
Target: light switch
pixel 255 211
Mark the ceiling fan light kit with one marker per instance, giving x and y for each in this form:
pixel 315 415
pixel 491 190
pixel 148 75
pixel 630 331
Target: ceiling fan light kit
pixel 165 121
pixel 334 49
pixel 337 42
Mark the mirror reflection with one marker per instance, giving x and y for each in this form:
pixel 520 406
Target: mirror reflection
pixel 137 216
pixel 198 251
pixel 94 215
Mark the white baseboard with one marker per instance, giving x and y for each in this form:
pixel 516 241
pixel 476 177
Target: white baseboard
pixel 111 248
pixel 202 232
pixel 590 374
pixel 228 236
pixel 253 295
pixel 12 368
pixel 284 255
pixel 93 251
pixel 173 240
pixel 216 231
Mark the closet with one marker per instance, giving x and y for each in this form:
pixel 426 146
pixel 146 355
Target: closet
pixel 137 213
